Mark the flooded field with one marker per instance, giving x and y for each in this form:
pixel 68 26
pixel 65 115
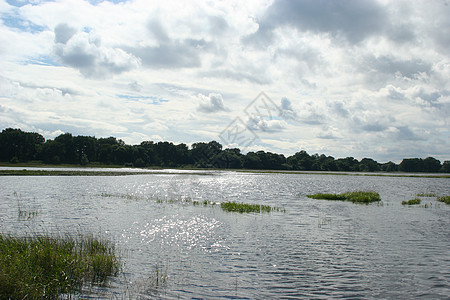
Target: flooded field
pixel 176 242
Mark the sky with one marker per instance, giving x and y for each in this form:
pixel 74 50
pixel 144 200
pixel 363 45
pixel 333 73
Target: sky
pixel 344 78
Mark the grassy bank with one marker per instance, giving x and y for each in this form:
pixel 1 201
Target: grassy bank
pixel 41 267
pixel 364 197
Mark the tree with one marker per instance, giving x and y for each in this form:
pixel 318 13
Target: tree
pixel 368 165
pixel 430 164
pixel 411 165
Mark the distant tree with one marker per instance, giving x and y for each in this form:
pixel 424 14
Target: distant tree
pixel 347 164
pixel 51 152
pixel 446 166
pixel 368 165
pixel 17 143
pixel 411 165
pixel 389 167
pixel 252 161
pixel 430 164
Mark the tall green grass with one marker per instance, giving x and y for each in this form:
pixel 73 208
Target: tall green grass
pixel 355 197
pixel 45 267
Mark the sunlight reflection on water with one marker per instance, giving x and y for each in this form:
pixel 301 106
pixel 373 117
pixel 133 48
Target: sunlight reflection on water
pixel 316 249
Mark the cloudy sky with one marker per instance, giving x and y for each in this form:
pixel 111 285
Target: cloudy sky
pixel 344 78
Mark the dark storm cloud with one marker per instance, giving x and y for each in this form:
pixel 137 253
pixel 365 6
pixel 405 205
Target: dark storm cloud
pixel 353 20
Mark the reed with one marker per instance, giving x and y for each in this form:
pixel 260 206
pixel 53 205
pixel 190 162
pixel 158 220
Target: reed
pixel 46 267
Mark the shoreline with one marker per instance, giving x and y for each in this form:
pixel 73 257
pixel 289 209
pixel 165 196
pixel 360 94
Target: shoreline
pixel 104 170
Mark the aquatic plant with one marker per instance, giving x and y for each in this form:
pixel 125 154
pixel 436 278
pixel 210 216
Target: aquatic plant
pixel 414 201
pixel 247 208
pixel 426 195
pixel 445 199
pixel 355 197
pixel 46 267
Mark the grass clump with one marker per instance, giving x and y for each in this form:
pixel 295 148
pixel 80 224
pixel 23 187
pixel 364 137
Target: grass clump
pixel 445 199
pixel 47 267
pixel 426 195
pixel 247 208
pixel 355 197
pixel 414 201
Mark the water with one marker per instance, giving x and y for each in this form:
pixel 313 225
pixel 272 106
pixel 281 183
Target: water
pixel 316 249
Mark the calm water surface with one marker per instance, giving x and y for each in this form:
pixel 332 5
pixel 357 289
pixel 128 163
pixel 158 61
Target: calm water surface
pixel 316 249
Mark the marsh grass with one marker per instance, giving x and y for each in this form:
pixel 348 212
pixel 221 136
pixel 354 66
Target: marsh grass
pixel 414 201
pixel 364 197
pixel 41 267
pixel 247 208
pixel 426 195
pixel 445 199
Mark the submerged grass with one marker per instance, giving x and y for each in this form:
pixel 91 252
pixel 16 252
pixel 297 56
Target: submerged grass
pixel 414 201
pixel 47 267
pixel 355 197
pixel 445 199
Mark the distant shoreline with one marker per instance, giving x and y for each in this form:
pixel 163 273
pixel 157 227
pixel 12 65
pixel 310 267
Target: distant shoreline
pixel 76 170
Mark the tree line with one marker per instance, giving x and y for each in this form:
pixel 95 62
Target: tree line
pixel 20 146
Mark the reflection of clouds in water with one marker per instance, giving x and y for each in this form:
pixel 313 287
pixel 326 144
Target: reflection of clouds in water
pixel 173 231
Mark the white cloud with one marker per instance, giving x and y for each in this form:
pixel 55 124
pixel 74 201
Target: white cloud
pixel 211 103
pixel 351 76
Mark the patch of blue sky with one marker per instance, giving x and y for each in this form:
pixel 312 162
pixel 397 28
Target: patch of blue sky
pixel 20 3
pixel 144 99
pixel 43 61
pixel 95 2
pixel 13 21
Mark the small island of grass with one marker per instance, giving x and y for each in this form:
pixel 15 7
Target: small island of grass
pixel 445 199
pixel 247 208
pixel 414 201
pixel 355 197
pixel 45 267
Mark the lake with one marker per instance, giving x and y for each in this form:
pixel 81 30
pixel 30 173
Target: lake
pixel 314 249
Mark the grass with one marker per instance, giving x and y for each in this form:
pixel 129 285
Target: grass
pixel 426 195
pixel 414 201
pixel 247 208
pixel 47 267
pixel 355 197
pixel 445 199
